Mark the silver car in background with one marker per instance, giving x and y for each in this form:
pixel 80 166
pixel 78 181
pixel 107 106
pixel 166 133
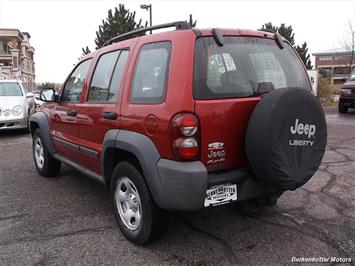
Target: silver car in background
pixel 16 105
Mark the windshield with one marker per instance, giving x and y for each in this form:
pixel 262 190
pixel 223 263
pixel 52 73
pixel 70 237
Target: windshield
pixel 352 76
pixel 10 89
pixel 244 66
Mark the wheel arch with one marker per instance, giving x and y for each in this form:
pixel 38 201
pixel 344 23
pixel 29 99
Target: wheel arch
pixel 39 121
pixel 139 150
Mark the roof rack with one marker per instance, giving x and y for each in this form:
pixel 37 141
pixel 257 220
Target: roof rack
pixel 266 30
pixel 179 25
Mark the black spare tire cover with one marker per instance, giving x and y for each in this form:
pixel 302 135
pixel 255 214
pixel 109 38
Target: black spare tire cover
pixel 286 138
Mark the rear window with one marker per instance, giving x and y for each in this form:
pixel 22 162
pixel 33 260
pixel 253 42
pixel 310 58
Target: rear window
pixel 10 89
pixel 244 66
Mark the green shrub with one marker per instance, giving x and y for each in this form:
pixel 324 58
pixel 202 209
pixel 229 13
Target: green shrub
pixel 325 89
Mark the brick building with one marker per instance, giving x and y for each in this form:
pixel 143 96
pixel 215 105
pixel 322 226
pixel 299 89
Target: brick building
pixel 16 56
pixel 335 64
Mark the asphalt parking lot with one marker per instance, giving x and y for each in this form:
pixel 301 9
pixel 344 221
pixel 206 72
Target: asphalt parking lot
pixel 68 220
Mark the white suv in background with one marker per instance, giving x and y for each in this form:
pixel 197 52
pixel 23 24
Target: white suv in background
pixel 16 105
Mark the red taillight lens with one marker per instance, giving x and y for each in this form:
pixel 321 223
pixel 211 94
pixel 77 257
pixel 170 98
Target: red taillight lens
pixel 187 124
pixel 184 137
pixel 186 148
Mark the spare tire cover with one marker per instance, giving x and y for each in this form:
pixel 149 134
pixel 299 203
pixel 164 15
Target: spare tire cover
pixel 286 138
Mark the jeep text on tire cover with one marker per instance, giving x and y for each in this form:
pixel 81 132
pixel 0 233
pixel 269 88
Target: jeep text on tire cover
pixel 181 120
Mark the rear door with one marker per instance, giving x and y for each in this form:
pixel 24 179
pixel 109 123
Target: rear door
pixel 101 110
pixel 228 81
pixel 64 116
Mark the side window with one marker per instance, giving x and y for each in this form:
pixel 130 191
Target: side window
pixel 74 85
pixel 107 77
pixel 117 76
pixel 151 72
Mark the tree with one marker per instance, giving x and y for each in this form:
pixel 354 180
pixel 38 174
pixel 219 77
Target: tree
pixel 46 85
pixel 269 26
pixel 191 22
pixel 325 89
pixel 348 45
pixel 303 53
pixel 119 21
pixel 287 32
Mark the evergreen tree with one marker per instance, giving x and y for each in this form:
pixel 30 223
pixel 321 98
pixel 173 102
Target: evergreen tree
pixel 86 50
pixel 192 23
pixel 303 53
pixel 287 32
pixel 269 26
pixel 119 21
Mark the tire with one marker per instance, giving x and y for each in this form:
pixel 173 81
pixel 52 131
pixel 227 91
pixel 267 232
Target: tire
pixel 286 138
pixel 145 222
pixel 341 108
pixel 45 164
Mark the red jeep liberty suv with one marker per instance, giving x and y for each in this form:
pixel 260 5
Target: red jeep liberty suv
pixel 181 120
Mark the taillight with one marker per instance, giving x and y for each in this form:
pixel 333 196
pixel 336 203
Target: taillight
pixel 187 124
pixel 185 136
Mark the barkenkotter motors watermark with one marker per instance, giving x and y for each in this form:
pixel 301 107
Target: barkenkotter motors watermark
pixel 320 260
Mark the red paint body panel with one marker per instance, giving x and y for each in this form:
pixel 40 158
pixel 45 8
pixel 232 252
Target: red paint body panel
pixel 226 123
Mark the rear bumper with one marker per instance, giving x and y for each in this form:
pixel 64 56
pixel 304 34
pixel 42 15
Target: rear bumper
pixel 347 102
pixel 184 184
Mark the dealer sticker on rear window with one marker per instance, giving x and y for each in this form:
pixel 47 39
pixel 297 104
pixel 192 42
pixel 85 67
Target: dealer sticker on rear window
pixel 220 194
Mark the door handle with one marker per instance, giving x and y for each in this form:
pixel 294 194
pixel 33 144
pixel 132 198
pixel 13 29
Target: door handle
pixel 109 115
pixel 72 113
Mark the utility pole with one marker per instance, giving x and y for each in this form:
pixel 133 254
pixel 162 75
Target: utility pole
pixel 149 7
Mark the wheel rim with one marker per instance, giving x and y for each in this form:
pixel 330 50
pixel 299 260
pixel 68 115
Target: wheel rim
pixel 128 203
pixel 38 153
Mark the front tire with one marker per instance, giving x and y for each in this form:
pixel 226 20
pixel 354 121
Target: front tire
pixel 341 108
pixel 45 164
pixel 137 216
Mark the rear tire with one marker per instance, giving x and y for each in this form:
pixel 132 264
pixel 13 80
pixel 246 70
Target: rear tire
pixel 341 108
pixel 45 164
pixel 137 216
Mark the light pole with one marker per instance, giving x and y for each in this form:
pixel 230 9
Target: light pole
pixel 148 7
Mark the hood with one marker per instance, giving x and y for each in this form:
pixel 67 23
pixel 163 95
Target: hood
pixel 349 83
pixel 9 102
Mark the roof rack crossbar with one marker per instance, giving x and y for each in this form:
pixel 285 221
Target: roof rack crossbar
pixel 179 25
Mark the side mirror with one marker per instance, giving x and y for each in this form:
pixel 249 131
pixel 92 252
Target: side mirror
pixel 29 95
pixel 48 95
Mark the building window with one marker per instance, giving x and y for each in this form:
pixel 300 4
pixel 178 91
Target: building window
pixel 325 58
pixel 341 71
pixel 14 61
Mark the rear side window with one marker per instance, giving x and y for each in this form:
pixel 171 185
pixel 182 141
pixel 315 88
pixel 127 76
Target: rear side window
pixel 107 77
pixel 151 73
pixel 243 67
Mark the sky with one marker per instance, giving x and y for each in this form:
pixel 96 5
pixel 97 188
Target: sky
pixel 59 29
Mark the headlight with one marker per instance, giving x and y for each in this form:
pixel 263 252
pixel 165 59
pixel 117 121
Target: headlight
pixel 17 110
pixel 345 91
pixel 7 112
